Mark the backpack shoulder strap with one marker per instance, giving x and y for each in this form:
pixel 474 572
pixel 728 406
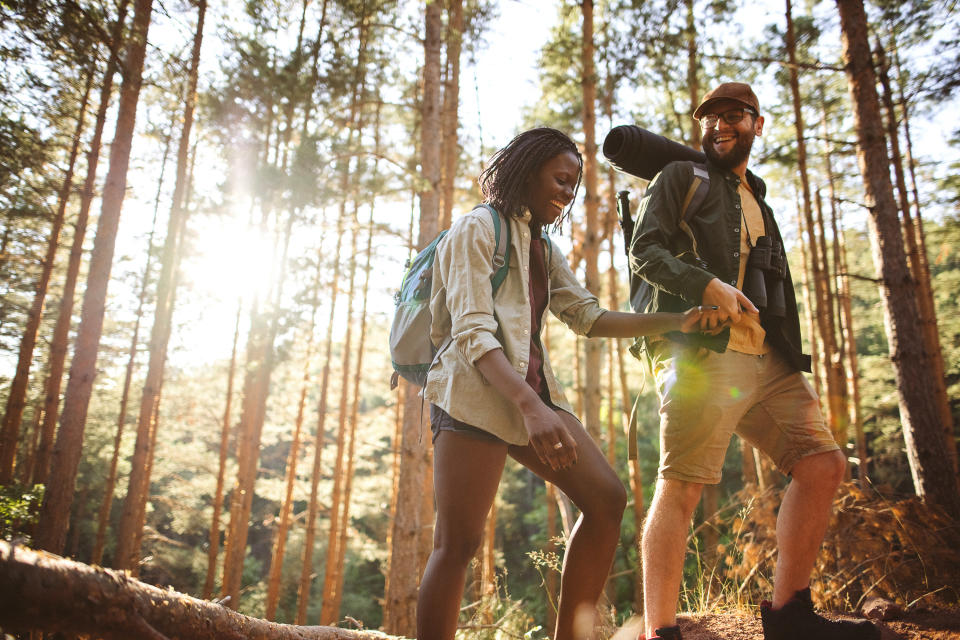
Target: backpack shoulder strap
pixel 696 194
pixel 501 256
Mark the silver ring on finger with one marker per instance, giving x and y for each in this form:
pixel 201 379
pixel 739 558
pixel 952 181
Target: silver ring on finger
pixel 559 445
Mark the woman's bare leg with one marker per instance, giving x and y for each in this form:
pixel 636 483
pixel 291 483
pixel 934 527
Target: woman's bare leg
pixel 466 474
pixel 597 491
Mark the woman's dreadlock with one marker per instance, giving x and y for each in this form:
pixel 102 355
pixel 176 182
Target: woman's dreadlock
pixel 504 182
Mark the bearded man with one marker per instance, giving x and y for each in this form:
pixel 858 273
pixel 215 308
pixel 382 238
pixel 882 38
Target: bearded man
pixel 741 373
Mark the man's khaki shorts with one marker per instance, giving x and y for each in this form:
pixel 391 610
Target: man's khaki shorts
pixel 706 396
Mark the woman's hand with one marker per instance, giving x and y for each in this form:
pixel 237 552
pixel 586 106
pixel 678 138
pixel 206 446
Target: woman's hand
pixel 549 437
pixel 689 320
pixel 544 427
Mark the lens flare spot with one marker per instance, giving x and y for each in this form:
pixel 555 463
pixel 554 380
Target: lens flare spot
pixel 734 392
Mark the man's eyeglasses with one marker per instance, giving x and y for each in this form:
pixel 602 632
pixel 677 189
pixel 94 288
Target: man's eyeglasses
pixel 731 116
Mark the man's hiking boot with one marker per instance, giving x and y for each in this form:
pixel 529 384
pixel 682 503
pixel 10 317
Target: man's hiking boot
pixel 796 620
pixel 666 633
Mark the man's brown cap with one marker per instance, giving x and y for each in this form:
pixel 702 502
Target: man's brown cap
pixel 738 91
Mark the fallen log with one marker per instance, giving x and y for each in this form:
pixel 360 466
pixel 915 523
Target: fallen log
pixel 40 591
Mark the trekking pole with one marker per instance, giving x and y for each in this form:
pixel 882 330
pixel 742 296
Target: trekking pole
pixel 626 220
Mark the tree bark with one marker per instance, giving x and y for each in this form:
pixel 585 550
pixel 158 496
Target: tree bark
pixel 808 310
pixel 58 344
pixel 104 515
pixel 283 524
pixel 55 512
pixel 256 388
pixel 932 472
pixel 46 593
pixel 400 602
pixel 313 505
pixel 921 275
pixel 134 506
pixel 213 548
pixel 330 577
pixel 354 413
pixel 693 64
pixel 593 360
pixel 451 105
pixel 818 267
pixel 17 397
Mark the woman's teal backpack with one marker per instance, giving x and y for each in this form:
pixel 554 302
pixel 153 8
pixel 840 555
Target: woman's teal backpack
pixel 411 350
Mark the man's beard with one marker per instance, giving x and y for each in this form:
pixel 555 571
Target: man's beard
pixel 733 158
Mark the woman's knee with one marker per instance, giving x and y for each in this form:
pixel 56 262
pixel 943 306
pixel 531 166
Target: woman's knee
pixel 607 500
pixel 459 549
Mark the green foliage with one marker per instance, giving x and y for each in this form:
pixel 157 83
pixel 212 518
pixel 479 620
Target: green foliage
pixel 19 509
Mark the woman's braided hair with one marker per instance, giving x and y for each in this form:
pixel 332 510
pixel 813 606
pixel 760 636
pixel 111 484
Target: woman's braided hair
pixel 504 182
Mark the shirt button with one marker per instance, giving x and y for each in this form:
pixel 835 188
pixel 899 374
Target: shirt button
pixel 736 254
pixel 736 229
pixel 526 331
pixel 733 282
pixel 738 206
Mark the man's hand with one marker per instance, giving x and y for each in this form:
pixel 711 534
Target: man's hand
pixel 729 301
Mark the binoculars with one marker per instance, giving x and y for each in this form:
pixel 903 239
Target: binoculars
pixel 763 280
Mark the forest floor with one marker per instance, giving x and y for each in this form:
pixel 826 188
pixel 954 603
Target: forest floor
pixel 919 624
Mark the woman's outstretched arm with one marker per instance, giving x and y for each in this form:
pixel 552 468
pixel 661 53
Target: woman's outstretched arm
pixel 620 324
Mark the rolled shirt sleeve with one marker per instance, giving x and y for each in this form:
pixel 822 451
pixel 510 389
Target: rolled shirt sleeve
pixel 570 301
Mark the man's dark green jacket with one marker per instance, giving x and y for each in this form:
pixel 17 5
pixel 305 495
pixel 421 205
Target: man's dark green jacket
pixel 678 266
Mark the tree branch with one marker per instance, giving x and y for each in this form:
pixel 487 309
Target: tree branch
pixel 814 66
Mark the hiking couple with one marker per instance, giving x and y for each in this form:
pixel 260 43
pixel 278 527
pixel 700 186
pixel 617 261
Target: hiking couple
pixel 721 363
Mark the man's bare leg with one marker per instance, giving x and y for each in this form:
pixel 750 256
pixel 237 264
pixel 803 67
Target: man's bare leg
pixel 803 519
pixel 663 548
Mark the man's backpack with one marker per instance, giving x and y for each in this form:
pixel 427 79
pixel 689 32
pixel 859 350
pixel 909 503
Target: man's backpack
pixel 411 350
pixel 641 291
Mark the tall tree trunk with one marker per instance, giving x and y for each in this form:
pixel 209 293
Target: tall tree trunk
pixel 134 506
pixel 397 451
pixel 313 506
pixel 837 421
pixel 838 401
pixel 693 64
pixel 103 516
pixel 401 600
pixel 921 275
pixel 451 105
pixel 591 240
pixel 17 397
pixel 847 332
pixel 284 520
pixel 58 344
pixel 850 345
pixel 54 513
pixel 932 472
pixel 331 579
pixel 213 542
pixel 256 389
pixel 354 413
